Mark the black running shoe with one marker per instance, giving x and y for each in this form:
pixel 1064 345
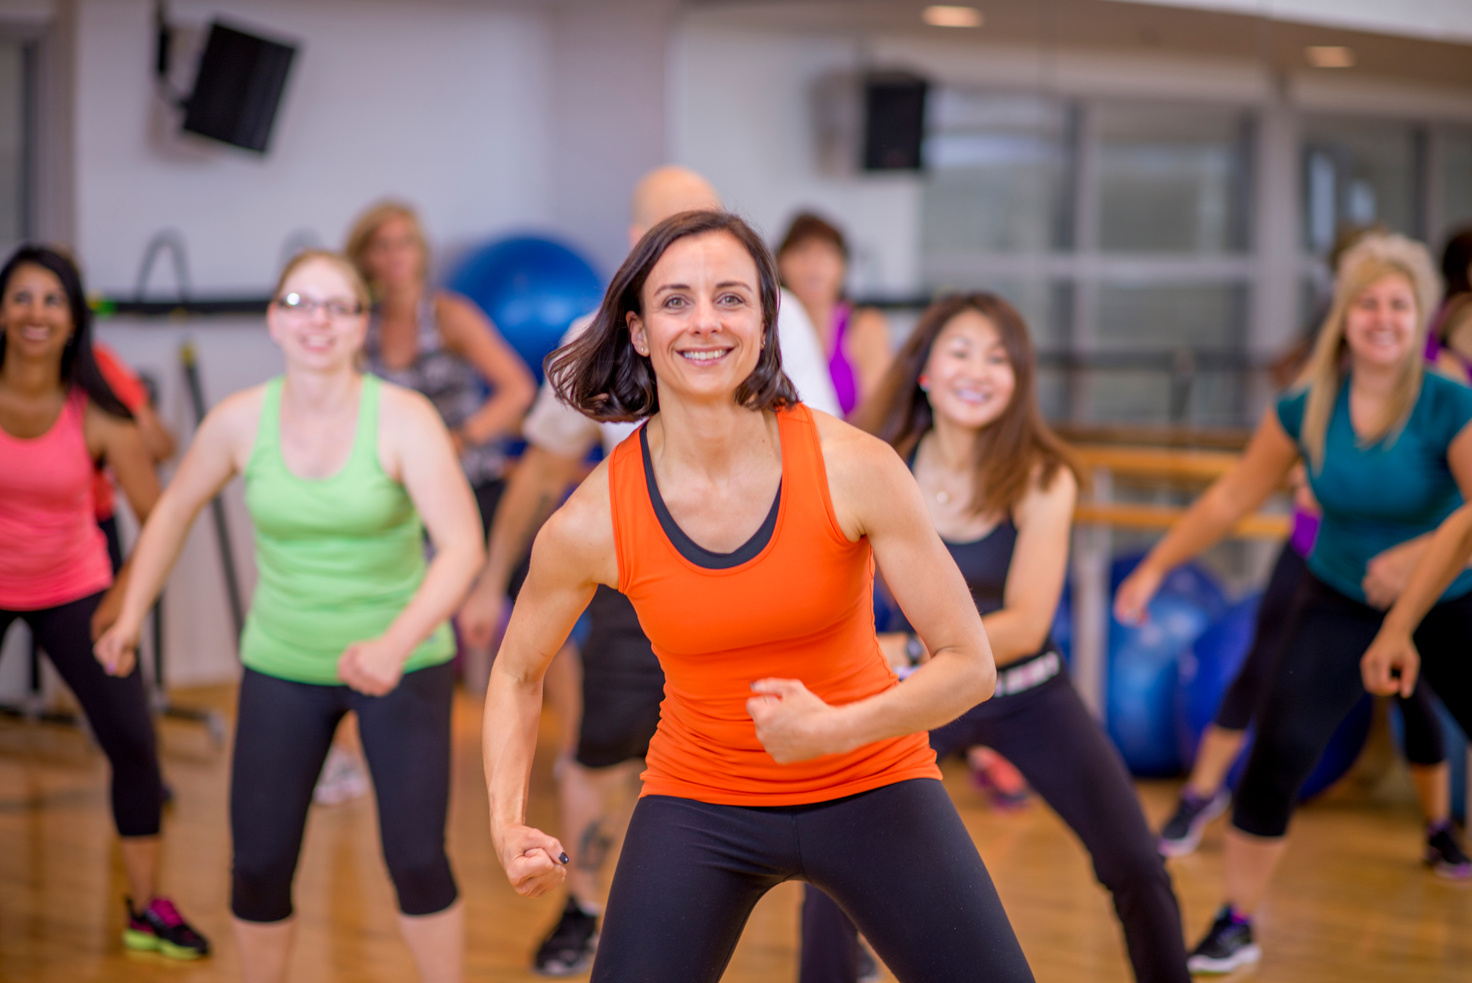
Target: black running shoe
pixel 1182 832
pixel 160 928
pixel 568 949
pixel 1444 854
pixel 1227 946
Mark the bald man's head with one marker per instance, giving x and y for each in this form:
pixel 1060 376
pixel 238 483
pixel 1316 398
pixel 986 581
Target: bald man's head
pixel 667 191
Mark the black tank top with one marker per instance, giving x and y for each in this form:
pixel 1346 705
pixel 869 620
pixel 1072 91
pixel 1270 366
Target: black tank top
pixel 984 563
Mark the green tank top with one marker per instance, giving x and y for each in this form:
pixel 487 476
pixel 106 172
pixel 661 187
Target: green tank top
pixel 338 558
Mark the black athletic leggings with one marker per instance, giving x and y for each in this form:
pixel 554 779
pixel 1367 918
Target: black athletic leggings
pixel 116 709
pixel 282 735
pixel 1424 742
pixel 896 858
pixel 1317 681
pixel 1050 736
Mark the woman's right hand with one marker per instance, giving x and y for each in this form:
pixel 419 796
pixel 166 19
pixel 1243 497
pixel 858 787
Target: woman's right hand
pixel 535 863
pixel 118 647
pixel 1132 599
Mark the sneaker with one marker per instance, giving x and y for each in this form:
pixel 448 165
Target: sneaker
pixel 160 928
pixel 1181 833
pixel 568 950
pixel 342 779
pixel 1444 854
pixel 1227 946
pixel 1005 788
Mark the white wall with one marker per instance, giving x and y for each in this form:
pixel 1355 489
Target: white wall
pixel 443 103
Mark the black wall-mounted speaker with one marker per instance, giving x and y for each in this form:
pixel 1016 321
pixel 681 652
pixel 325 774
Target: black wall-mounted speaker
pixel 238 87
pixel 894 121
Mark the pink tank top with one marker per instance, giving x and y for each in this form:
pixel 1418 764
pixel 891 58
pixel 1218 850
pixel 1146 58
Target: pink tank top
pixel 51 551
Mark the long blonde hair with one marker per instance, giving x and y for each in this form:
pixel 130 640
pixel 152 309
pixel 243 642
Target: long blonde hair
pixel 1373 257
pixel 366 227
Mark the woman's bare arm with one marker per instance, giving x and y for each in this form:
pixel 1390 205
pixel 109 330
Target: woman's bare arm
pixel 218 452
pixel 1269 457
pixel 572 554
pixel 469 334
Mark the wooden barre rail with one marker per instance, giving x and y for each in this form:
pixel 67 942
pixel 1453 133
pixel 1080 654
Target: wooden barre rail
pixel 1163 464
pixel 1260 525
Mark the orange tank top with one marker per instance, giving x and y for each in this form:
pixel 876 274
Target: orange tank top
pixel 800 607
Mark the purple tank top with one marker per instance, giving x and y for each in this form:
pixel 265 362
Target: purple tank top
pixel 845 382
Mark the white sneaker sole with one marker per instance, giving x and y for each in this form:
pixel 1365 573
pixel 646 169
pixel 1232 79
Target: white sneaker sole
pixel 1245 956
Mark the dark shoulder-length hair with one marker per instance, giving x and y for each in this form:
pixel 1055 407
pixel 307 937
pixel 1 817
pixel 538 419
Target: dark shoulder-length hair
pixel 600 374
pixel 1010 451
pixel 78 364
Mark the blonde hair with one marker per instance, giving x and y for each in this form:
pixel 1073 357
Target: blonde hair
pixel 367 226
pixel 1375 256
pixel 349 272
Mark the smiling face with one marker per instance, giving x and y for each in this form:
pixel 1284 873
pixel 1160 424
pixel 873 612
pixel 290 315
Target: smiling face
pixel 702 324
pixel 317 318
pixel 1380 324
pixel 34 312
pixel 968 376
pixel 813 269
pixel 394 256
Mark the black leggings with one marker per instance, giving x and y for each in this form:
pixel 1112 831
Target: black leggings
pixel 896 858
pixel 1317 682
pixel 1048 733
pixel 1424 742
pixel 282 735
pixel 116 709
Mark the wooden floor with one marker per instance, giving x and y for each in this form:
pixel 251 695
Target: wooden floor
pixel 1351 903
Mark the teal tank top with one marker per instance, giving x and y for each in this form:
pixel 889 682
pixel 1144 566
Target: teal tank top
pixel 338 558
pixel 1380 495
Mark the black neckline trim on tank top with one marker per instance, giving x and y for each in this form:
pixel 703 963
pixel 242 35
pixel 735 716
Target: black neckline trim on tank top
pixel 687 547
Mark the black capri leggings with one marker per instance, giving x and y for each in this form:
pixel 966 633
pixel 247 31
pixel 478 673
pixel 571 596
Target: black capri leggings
pixel 282 735
pixel 116 709
pixel 1317 681
pixel 1048 733
pixel 896 858
pixel 1425 744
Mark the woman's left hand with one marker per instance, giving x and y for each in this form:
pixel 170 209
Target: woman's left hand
pixel 373 668
pixel 791 722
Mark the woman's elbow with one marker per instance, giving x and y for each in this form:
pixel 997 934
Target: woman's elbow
pixel 984 677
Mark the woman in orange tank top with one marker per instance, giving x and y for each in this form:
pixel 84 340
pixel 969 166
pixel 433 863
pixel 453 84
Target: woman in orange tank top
pixel 745 529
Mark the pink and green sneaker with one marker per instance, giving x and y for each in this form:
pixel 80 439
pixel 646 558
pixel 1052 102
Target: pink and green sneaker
pixel 160 928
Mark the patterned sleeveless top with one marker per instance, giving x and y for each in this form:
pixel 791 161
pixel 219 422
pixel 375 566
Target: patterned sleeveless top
pixel 447 380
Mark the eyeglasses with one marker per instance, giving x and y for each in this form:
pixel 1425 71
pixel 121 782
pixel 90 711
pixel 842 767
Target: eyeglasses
pixel 296 305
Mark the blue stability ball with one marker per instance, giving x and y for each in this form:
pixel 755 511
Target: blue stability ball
pixel 532 288
pixel 1343 749
pixel 1192 582
pixel 1062 631
pixel 1208 667
pixel 1140 705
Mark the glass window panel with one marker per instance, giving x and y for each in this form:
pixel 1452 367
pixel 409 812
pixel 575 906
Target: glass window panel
pixel 1172 179
pixel 996 178
pixel 12 144
pixel 1357 172
pixel 1456 182
pixel 1168 317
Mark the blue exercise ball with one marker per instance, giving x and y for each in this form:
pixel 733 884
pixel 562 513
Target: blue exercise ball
pixel 1142 678
pixel 532 288
pixel 1208 667
pixel 1062 631
pixel 1339 755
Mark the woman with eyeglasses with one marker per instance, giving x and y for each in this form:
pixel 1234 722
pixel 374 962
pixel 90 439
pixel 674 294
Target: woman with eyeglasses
pixel 58 419
pixel 343 474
